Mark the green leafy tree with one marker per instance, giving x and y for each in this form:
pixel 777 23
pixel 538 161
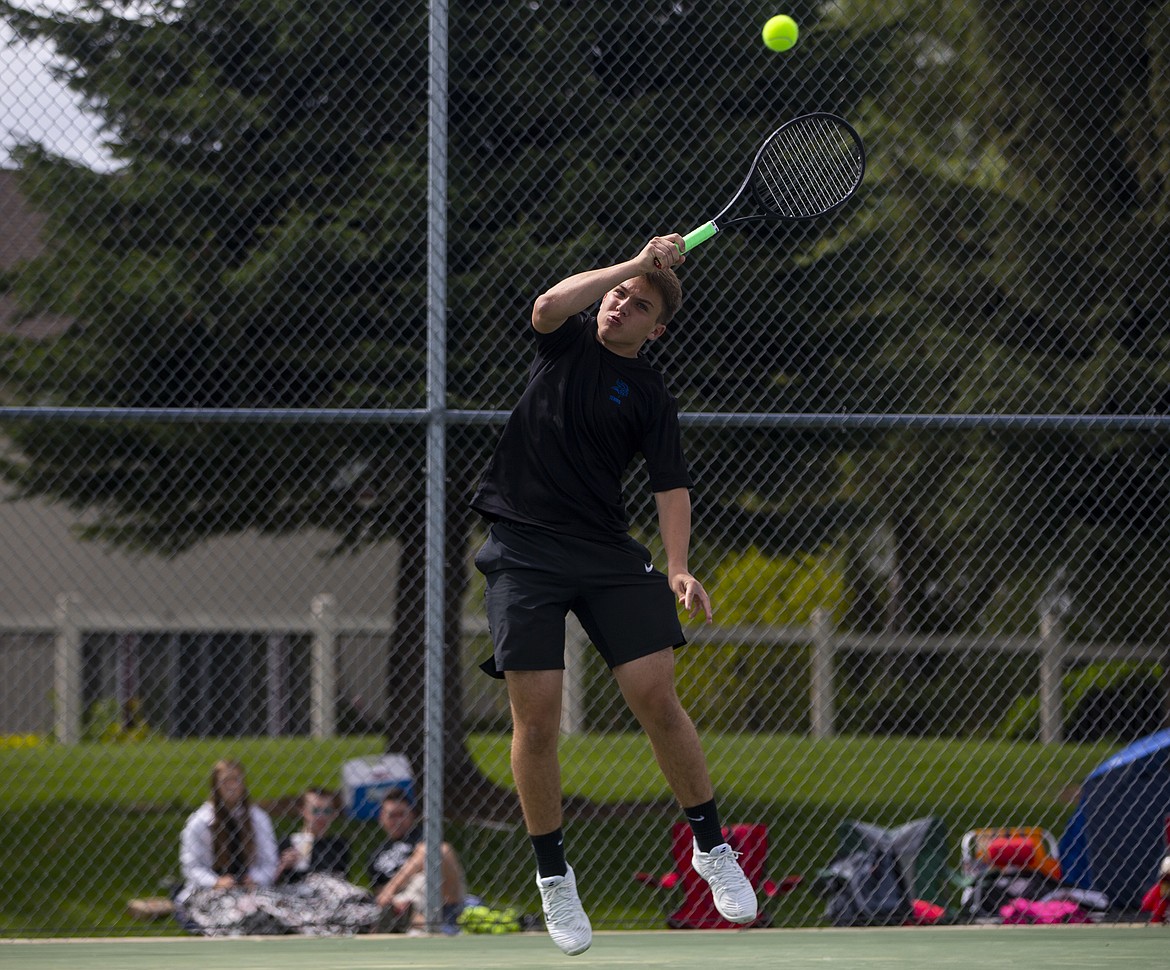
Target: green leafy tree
pixel 260 246
pixel 264 245
pixel 1013 265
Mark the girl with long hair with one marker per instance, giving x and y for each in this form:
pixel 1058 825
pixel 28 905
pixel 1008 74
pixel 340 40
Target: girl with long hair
pixel 227 843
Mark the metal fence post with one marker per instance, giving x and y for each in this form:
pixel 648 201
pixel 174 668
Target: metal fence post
pixel 823 714
pixel 323 672
pixel 1051 673
pixel 67 669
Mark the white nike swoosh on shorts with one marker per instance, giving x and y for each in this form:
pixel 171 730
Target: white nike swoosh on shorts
pixel 649 567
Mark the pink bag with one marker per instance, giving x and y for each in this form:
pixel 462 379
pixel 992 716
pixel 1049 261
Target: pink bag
pixel 1053 911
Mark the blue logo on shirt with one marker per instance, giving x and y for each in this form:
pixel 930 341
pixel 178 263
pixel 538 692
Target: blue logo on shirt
pixel 620 390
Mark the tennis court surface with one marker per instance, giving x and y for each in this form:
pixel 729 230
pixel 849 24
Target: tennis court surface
pixel 1124 947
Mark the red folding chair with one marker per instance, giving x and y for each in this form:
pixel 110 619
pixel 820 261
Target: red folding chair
pixel 697 910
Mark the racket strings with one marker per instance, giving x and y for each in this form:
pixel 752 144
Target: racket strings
pixel 807 168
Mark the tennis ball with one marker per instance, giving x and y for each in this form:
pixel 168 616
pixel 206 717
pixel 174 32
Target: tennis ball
pixel 780 32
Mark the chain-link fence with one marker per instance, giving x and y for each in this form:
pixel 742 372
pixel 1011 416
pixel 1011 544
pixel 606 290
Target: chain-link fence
pixel 926 432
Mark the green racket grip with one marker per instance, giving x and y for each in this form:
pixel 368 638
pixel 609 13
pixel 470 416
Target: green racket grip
pixel 702 234
pixel 694 237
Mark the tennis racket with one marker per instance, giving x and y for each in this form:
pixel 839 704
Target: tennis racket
pixel 806 168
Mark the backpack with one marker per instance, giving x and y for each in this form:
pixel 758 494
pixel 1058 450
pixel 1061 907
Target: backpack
pixel 866 888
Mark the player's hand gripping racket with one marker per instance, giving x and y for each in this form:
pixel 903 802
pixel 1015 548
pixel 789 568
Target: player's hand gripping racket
pixel 806 168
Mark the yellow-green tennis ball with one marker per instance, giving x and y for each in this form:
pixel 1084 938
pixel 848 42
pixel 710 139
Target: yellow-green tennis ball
pixel 780 32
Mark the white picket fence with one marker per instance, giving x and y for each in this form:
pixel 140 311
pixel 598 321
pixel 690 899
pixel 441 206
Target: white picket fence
pixel 71 622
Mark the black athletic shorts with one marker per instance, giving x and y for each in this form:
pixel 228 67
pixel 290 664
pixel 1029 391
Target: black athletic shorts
pixel 534 578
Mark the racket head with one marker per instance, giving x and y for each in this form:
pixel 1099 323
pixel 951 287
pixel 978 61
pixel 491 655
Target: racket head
pixel 807 167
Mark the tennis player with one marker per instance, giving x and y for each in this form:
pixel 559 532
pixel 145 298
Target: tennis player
pixel 560 541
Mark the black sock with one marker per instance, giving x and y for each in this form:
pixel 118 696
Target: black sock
pixel 704 821
pixel 550 854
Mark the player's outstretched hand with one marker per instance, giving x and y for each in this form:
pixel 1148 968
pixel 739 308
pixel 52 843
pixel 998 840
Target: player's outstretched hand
pixel 692 596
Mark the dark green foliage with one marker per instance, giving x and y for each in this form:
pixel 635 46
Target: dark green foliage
pixel 1114 702
pixel 264 245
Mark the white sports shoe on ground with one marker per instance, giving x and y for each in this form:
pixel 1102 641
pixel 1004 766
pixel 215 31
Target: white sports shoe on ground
pixel 564 916
pixel 734 897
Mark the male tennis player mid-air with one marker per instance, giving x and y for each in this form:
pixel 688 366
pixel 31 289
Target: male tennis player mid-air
pixel 559 541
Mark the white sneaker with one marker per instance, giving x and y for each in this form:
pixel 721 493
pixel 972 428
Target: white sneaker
pixel 564 917
pixel 734 897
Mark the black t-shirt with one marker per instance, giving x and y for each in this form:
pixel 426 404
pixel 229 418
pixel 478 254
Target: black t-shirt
pixel 390 857
pixel 564 451
pixel 330 855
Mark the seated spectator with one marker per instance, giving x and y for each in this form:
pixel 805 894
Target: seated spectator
pixel 311 848
pixel 227 849
pixel 398 870
pixel 230 864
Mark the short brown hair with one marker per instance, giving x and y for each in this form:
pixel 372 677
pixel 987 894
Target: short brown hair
pixel 667 286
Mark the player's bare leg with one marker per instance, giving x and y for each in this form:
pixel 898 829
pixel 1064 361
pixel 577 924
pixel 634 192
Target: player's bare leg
pixel 647 684
pixel 535 696
pixel 648 687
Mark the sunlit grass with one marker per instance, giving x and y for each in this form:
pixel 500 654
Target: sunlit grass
pixel 89 827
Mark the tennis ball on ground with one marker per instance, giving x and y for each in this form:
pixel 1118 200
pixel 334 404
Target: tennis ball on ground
pixel 780 32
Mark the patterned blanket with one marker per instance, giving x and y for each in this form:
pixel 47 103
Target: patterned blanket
pixel 321 905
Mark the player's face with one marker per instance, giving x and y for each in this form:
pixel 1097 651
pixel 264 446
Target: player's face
pixel 629 317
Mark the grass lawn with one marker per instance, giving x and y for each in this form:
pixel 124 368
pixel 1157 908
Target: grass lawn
pixel 87 828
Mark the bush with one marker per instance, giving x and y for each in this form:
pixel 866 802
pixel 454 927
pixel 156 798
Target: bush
pixel 10 742
pixel 105 722
pixel 1113 701
pixel 761 688
pixel 925 695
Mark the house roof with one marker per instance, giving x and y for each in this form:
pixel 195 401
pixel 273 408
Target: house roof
pixel 243 581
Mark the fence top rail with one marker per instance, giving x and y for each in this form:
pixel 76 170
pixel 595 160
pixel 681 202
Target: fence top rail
pixel 788 635
pixel 795 635
pixel 861 421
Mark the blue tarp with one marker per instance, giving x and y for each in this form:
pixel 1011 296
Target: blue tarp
pixel 1117 836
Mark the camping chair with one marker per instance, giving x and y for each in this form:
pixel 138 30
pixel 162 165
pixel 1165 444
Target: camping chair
pixel 1010 850
pixel 697 910
pixel 1002 864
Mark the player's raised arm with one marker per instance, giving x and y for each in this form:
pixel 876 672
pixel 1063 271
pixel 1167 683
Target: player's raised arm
pixel 581 290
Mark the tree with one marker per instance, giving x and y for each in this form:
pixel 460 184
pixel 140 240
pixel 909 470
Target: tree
pixel 263 245
pixel 259 247
pixel 1014 266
